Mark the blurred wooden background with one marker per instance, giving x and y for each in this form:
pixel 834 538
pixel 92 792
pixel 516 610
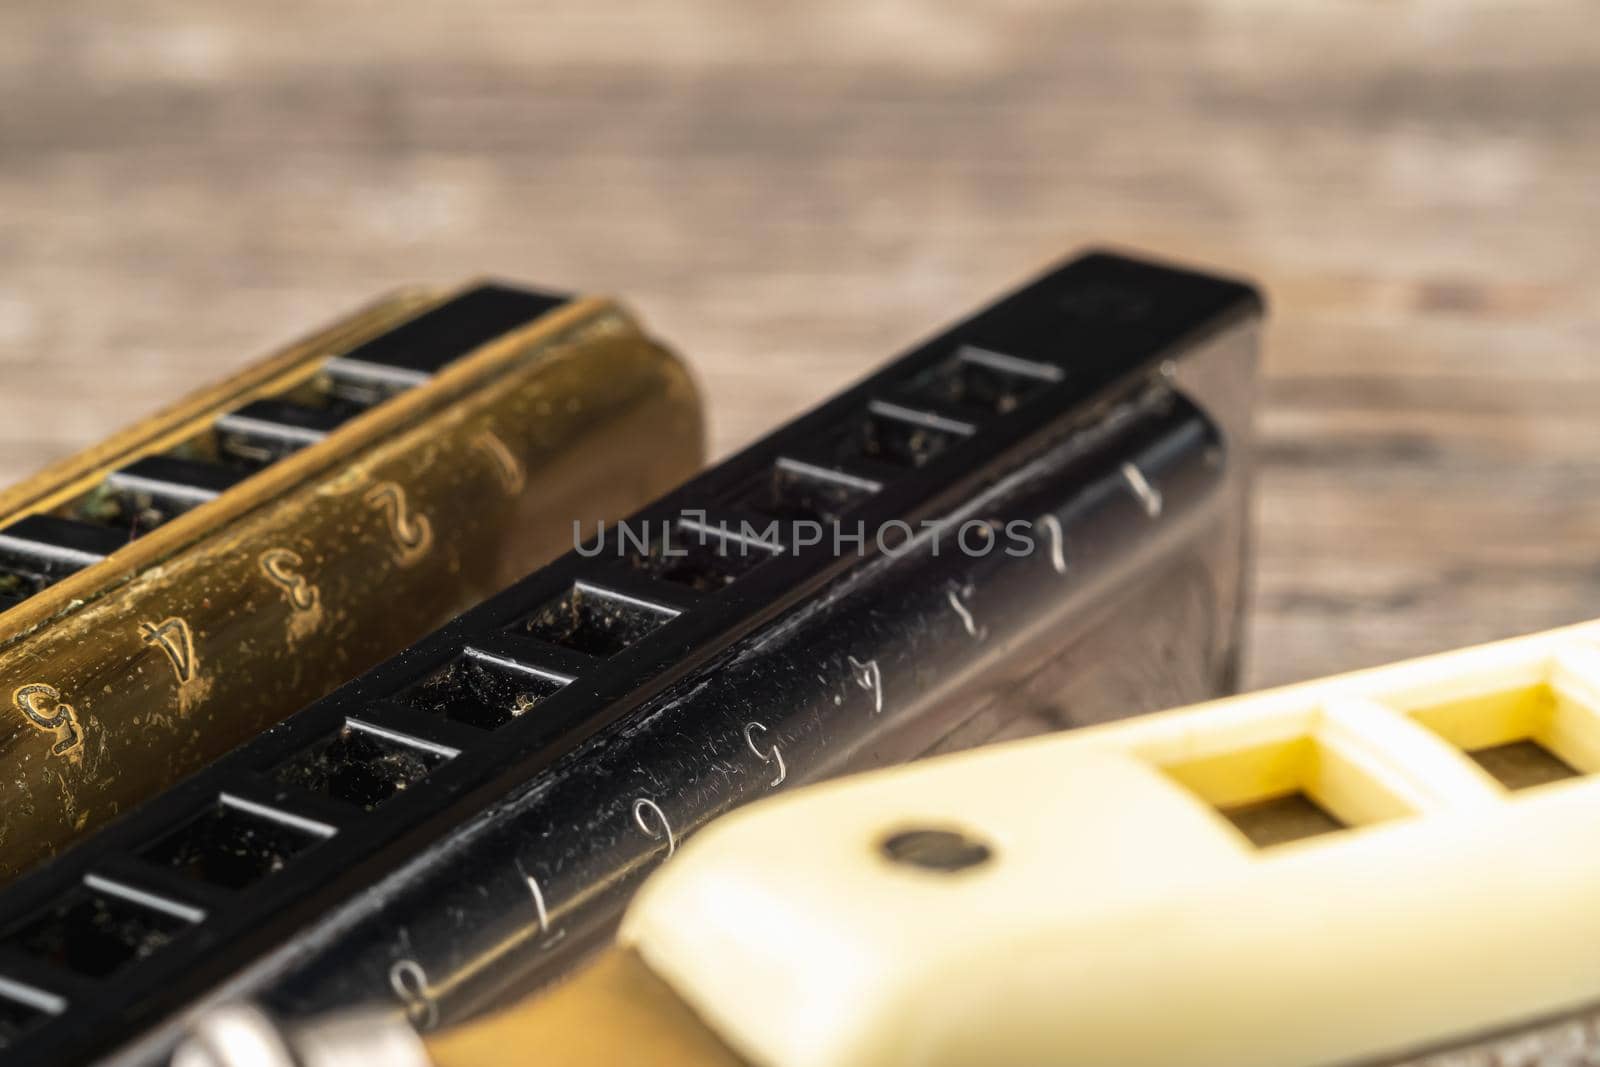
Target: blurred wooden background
pixel 790 192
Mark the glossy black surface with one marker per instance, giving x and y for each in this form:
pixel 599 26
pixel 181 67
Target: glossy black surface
pixel 429 341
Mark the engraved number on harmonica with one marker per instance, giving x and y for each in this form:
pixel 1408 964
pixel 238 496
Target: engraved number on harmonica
pixel 644 807
pixel 773 756
pixel 506 466
pixel 282 568
pixel 412 532
pixel 1058 543
pixel 45 710
pixel 547 937
pixel 869 677
pixel 173 637
pixel 410 983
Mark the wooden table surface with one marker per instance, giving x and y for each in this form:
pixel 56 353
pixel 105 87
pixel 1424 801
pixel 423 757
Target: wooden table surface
pixel 790 192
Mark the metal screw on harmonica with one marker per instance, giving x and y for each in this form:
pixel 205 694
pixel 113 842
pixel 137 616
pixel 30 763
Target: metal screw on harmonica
pixel 838 596
pixel 172 591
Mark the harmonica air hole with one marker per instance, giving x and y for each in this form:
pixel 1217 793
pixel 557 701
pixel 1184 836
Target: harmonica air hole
pixel 979 380
pixel 699 558
pixel 21 1009
pixel 37 551
pixel 481 691
pixel 1522 737
pixel 345 392
pixel 594 621
pixel 94 933
pixel 265 431
pixel 797 492
pixel 231 847
pixel 1286 791
pixel 360 766
pixel 151 491
pixel 904 437
pixel 17 584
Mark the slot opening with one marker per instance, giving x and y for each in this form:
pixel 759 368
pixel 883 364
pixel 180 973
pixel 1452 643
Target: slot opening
pixel 94 933
pixel 17 1017
pixel 1527 736
pixel 344 392
pixel 595 621
pixel 361 766
pixel 795 492
pixel 1285 791
pixel 270 429
pixel 902 437
pixel 980 380
pixel 149 492
pixel 232 846
pixel 17 584
pixel 482 691
pixel 40 549
pixel 135 511
pixel 698 558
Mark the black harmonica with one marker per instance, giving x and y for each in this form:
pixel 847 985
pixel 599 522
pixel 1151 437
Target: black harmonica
pixel 1048 498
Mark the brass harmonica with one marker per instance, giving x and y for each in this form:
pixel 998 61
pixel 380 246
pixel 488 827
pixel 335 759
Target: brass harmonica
pixel 175 589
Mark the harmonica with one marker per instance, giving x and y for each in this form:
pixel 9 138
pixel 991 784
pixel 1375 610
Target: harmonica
pixel 172 591
pixel 1393 868
pixel 1049 497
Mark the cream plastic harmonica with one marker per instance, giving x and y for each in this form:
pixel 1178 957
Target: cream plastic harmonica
pixel 172 591
pixel 1393 866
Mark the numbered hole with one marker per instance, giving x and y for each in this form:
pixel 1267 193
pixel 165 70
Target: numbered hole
pixel 596 622
pixel 362 766
pixel 233 847
pixel 980 380
pixel 797 492
pixel 17 586
pixel 22 1009
pixel 346 391
pixel 265 431
pixel 482 691
pixel 39 550
pixel 95 933
pixel 701 560
pixel 902 437
pixel 150 492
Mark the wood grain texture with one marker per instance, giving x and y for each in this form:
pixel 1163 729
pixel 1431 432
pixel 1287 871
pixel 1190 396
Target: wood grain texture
pixel 792 192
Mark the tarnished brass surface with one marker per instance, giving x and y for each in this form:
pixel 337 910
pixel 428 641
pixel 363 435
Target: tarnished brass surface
pixel 123 677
